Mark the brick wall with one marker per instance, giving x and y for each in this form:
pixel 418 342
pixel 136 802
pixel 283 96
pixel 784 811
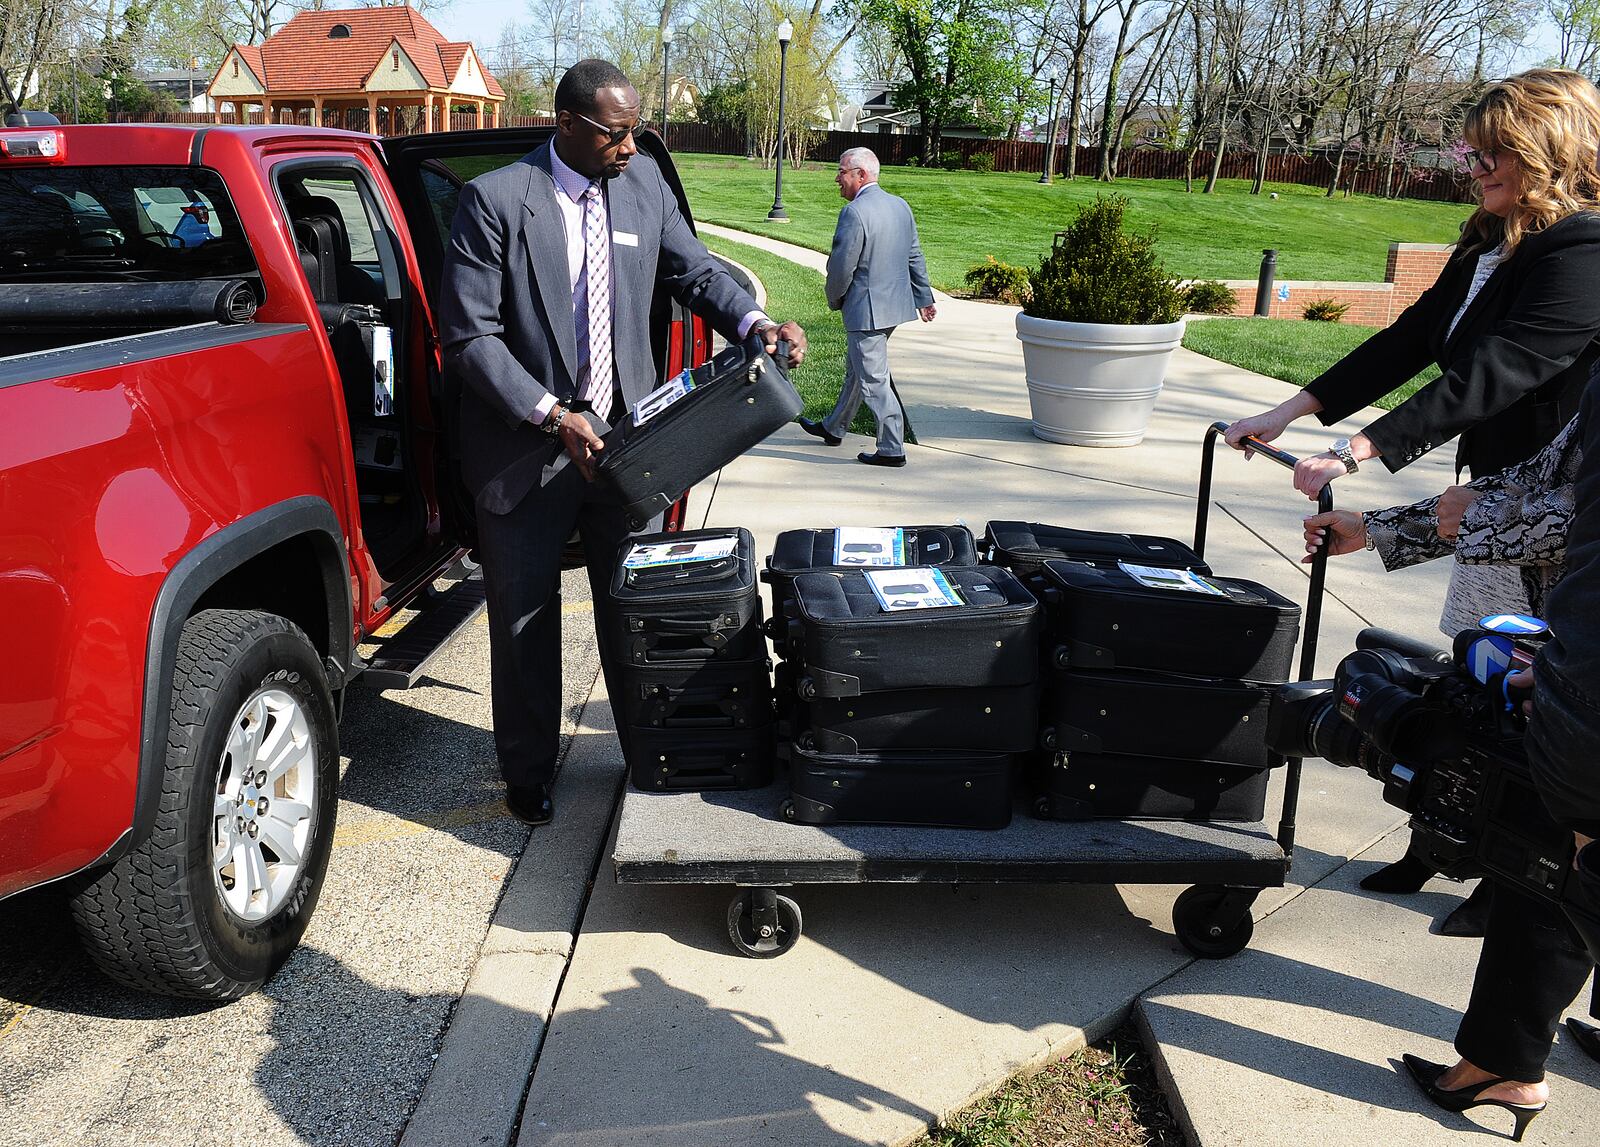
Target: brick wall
pixel 1412 269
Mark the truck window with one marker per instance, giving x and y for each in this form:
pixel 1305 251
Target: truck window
pixel 86 224
pixel 336 222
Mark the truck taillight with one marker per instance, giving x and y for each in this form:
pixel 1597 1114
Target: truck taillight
pixel 33 146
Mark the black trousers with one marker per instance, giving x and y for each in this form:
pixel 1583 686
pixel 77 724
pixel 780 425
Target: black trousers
pixel 1533 965
pixel 521 555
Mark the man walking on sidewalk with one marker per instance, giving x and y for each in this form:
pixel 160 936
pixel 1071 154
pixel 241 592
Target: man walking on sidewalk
pixel 877 277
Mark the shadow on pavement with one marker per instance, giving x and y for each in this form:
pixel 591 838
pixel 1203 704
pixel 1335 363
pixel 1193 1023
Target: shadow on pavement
pixel 717 1058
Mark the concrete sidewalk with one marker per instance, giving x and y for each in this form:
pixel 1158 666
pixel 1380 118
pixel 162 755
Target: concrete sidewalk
pixel 903 1003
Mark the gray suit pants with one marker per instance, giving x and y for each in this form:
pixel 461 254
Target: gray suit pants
pixel 866 378
pixel 521 553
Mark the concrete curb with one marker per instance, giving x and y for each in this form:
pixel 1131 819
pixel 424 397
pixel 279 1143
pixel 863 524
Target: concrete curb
pixel 488 1052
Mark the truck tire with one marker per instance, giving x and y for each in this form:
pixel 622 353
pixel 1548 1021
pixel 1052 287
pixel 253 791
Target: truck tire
pixel 218 894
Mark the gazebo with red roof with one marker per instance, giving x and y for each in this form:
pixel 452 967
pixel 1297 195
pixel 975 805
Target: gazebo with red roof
pixel 335 65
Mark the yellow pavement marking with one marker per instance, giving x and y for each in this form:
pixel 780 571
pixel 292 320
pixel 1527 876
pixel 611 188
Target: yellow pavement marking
pixel 12 1023
pixel 390 827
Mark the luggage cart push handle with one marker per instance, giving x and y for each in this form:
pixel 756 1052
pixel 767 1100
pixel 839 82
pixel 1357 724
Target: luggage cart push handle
pixel 1313 622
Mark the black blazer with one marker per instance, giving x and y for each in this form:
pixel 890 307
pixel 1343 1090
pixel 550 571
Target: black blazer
pixel 1514 369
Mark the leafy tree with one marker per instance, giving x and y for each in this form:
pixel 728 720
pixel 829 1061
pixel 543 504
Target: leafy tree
pixel 960 64
pixel 727 105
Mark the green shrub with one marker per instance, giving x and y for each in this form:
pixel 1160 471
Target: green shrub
pixel 992 279
pixel 1324 311
pixel 950 160
pixel 1209 297
pixel 981 161
pixel 1098 272
pixel 913 161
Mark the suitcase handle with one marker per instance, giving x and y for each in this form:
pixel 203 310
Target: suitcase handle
pixel 1313 626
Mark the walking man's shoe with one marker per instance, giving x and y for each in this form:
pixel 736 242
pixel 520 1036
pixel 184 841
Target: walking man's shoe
pixel 817 430
pixel 531 804
pixel 882 459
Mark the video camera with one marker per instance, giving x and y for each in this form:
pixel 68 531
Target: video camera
pixel 1444 735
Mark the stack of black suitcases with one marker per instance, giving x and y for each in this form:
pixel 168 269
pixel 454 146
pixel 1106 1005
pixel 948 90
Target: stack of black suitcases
pixel 696 681
pixel 902 716
pixel 1156 688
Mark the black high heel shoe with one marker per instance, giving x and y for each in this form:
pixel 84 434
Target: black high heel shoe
pixel 1427 1076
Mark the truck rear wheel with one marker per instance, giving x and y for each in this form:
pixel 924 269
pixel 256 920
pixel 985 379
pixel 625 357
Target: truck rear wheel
pixel 220 891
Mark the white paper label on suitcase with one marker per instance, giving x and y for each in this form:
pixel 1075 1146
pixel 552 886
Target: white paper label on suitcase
pixel 662 397
pixel 915 588
pixel 869 546
pixel 382 371
pixel 1185 580
pixel 677 553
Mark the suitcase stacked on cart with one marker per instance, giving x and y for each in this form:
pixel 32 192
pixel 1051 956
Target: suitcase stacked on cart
pixel 696 682
pixel 1157 681
pixel 902 716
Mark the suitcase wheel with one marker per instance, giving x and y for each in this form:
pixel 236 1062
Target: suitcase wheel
pixel 1213 921
pixel 763 924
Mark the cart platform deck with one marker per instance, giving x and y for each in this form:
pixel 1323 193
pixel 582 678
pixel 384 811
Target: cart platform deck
pixel 740 838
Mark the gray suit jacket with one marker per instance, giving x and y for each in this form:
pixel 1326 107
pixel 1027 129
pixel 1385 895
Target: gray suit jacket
pixel 876 275
pixel 505 313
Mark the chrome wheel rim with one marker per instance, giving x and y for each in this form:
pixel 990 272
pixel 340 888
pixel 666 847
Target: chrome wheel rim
pixel 265 805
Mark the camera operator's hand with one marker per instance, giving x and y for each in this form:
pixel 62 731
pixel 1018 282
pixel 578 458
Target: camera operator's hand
pixel 1452 508
pixel 1348 529
pixel 1522 682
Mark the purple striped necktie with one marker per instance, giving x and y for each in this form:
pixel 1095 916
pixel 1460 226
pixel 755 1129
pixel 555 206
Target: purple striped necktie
pixel 596 367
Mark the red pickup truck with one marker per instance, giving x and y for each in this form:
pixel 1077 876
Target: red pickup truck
pixel 225 463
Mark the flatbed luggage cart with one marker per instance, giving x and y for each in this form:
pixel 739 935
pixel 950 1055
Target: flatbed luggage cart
pixel 741 838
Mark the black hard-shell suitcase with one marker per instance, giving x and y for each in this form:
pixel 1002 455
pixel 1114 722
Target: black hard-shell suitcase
pixel 677 760
pixel 1156 715
pixel 1083 786
pixel 932 788
pixel 997 720
pixel 804 551
pixel 1099 618
pixel 698 695
pixel 1024 547
pixel 740 397
pixel 849 645
pixel 691 612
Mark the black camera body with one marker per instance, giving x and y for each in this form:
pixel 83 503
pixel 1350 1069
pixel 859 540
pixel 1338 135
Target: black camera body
pixel 1448 749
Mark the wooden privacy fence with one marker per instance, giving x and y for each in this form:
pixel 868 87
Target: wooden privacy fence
pixel 1361 174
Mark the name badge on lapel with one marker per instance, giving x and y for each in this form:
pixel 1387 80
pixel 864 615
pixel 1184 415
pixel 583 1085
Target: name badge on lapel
pixel 624 239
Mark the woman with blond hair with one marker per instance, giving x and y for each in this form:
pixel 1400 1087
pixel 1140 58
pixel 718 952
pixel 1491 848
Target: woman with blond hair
pixel 1512 323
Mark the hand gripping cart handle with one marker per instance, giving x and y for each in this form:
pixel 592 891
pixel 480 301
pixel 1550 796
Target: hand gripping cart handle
pixel 1313 615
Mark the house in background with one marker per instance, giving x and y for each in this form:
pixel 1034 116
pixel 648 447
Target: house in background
pixel 186 85
pixel 383 70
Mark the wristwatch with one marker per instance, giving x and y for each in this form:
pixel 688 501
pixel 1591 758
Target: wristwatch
pixel 1341 450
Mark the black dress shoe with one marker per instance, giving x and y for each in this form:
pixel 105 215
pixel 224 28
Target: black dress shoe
pixel 882 459
pixel 1587 1036
pixel 531 804
pixel 1470 917
pixel 817 430
pixel 1405 875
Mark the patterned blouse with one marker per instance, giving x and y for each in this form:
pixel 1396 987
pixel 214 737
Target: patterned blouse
pixel 1520 518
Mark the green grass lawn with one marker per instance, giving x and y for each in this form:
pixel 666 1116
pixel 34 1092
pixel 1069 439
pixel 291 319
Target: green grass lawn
pixel 1291 349
pixel 795 292
pixel 964 215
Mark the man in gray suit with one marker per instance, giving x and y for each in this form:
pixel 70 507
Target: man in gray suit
pixel 545 319
pixel 876 276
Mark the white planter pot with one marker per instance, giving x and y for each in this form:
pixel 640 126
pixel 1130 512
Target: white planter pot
pixel 1094 384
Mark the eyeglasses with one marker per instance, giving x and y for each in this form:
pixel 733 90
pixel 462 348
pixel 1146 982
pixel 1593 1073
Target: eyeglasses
pixel 1486 161
pixel 614 135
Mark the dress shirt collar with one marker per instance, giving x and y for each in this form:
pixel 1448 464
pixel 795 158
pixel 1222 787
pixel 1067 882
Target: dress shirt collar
pixel 574 183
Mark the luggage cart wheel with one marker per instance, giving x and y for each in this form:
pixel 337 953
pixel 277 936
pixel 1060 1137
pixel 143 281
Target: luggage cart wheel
pixel 1213 921
pixel 763 924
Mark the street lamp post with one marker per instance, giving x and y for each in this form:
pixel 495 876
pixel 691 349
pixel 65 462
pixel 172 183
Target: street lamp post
pixel 1050 144
pixel 72 54
pixel 666 76
pixel 785 34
